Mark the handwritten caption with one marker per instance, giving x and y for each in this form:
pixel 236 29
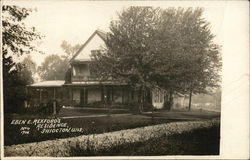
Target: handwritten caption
pixel 45 126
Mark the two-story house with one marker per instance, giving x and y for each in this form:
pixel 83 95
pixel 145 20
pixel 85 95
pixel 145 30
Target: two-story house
pixel 81 89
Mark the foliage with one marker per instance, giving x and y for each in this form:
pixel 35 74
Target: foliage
pixel 53 68
pixel 202 141
pixel 170 48
pixel 14 89
pixel 56 67
pixel 17 38
pixel 193 61
pixel 69 49
pixel 16 41
pixel 190 59
pixel 30 66
pixel 129 55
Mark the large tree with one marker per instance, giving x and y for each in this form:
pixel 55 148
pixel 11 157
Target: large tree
pixel 16 41
pixel 190 60
pixel 17 38
pixel 171 48
pixel 129 56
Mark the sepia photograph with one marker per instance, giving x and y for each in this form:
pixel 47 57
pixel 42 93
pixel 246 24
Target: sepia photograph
pixel 112 78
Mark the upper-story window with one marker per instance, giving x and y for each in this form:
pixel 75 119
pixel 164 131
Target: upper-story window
pixel 81 70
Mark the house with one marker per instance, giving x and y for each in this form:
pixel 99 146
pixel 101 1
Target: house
pixel 81 89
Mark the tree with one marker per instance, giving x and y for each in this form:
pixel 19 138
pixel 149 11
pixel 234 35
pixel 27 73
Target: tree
pixel 15 88
pixel 53 68
pixel 17 38
pixel 170 48
pixel 56 67
pixel 16 41
pixel 69 49
pixel 191 61
pixel 128 55
pixel 30 66
pixel 25 71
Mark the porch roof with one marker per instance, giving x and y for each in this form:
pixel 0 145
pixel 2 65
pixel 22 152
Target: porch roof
pixel 54 83
pixel 89 83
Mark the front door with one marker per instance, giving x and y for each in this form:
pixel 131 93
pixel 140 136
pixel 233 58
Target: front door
pixel 84 97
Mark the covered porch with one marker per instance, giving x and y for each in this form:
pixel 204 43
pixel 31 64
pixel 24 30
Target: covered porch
pixel 97 94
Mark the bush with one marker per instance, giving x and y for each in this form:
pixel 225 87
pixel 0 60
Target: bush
pixel 202 141
pixel 42 108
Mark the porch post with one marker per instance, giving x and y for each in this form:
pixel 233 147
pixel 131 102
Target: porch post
pixel 102 94
pixel 71 97
pixel 122 95
pixel 85 96
pixel 112 94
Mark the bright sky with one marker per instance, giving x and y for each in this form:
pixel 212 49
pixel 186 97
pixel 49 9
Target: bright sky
pixel 75 21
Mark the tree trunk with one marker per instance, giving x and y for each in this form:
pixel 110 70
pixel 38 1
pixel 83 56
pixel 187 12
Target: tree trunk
pixel 140 97
pixel 190 100
pixel 170 100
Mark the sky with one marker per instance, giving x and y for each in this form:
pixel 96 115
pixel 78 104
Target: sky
pixel 75 21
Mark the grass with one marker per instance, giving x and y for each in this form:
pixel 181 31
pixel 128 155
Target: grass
pixel 89 111
pixel 94 125
pixel 90 125
pixel 205 141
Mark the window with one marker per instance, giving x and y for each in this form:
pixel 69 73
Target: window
pixel 81 70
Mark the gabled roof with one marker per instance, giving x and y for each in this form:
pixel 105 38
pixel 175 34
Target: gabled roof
pixel 101 34
pixel 48 84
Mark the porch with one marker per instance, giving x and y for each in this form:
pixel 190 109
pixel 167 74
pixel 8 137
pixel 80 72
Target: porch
pixel 99 95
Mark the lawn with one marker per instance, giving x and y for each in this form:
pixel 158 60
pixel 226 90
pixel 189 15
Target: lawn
pixel 95 125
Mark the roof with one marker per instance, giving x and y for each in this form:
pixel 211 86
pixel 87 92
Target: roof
pixel 48 84
pixel 101 34
pixel 89 83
